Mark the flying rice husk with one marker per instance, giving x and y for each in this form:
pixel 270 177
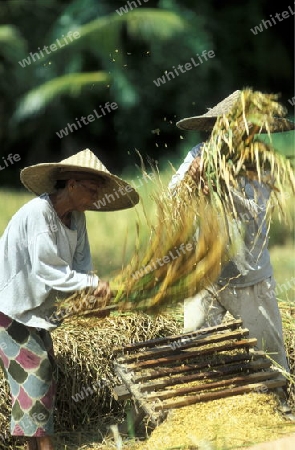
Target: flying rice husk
pixel 174 265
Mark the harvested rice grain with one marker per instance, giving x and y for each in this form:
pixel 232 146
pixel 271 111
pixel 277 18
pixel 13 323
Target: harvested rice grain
pixel 228 423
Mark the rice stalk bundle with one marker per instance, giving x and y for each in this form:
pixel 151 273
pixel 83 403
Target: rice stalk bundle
pixel 234 150
pixel 172 266
pixel 175 265
pixel 164 273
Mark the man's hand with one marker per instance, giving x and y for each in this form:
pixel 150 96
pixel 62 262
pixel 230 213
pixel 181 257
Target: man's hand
pixel 196 172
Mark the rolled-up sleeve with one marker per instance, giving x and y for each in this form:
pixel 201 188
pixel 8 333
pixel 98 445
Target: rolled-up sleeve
pixel 179 175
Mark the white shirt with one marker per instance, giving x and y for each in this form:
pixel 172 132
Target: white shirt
pixel 40 258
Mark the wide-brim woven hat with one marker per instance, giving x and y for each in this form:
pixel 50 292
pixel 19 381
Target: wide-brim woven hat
pixel 114 194
pixel 207 121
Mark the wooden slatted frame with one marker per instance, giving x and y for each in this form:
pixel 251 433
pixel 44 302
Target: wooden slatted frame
pixel 153 372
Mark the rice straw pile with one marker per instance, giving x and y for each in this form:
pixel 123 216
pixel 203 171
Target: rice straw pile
pixel 84 356
pixel 173 265
pixel 288 319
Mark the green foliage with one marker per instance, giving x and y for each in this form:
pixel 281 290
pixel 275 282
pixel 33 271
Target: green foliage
pixel 133 50
pixel 12 44
pixel 72 85
pixel 144 24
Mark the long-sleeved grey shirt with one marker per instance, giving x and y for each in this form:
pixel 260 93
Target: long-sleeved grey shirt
pixel 41 258
pixel 250 203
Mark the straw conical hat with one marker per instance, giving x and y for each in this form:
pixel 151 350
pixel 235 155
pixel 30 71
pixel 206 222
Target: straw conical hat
pixel 115 194
pixel 207 121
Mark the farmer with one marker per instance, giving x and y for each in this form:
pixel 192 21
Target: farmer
pixel 44 252
pixel 248 294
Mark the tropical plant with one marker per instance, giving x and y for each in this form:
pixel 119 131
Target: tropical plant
pixel 103 38
pixel 62 85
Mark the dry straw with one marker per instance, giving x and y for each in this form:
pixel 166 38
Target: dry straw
pixel 233 151
pixel 85 376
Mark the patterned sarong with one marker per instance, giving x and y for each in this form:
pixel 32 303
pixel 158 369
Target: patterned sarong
pixel 28 363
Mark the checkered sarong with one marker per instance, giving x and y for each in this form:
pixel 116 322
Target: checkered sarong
pixel 27 360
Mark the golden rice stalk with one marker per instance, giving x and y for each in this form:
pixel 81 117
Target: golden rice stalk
pixel 185 274
pixel 162 274
pixel 234 150
pixel 173 266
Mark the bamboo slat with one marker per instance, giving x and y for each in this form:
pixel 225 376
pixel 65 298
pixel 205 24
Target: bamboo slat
pixel 248 379
pixel 191 400
pixel 184 368
pixel 227 370
pixel 201 367
pixel 193 343
pixel 168 339
pixel 245 343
